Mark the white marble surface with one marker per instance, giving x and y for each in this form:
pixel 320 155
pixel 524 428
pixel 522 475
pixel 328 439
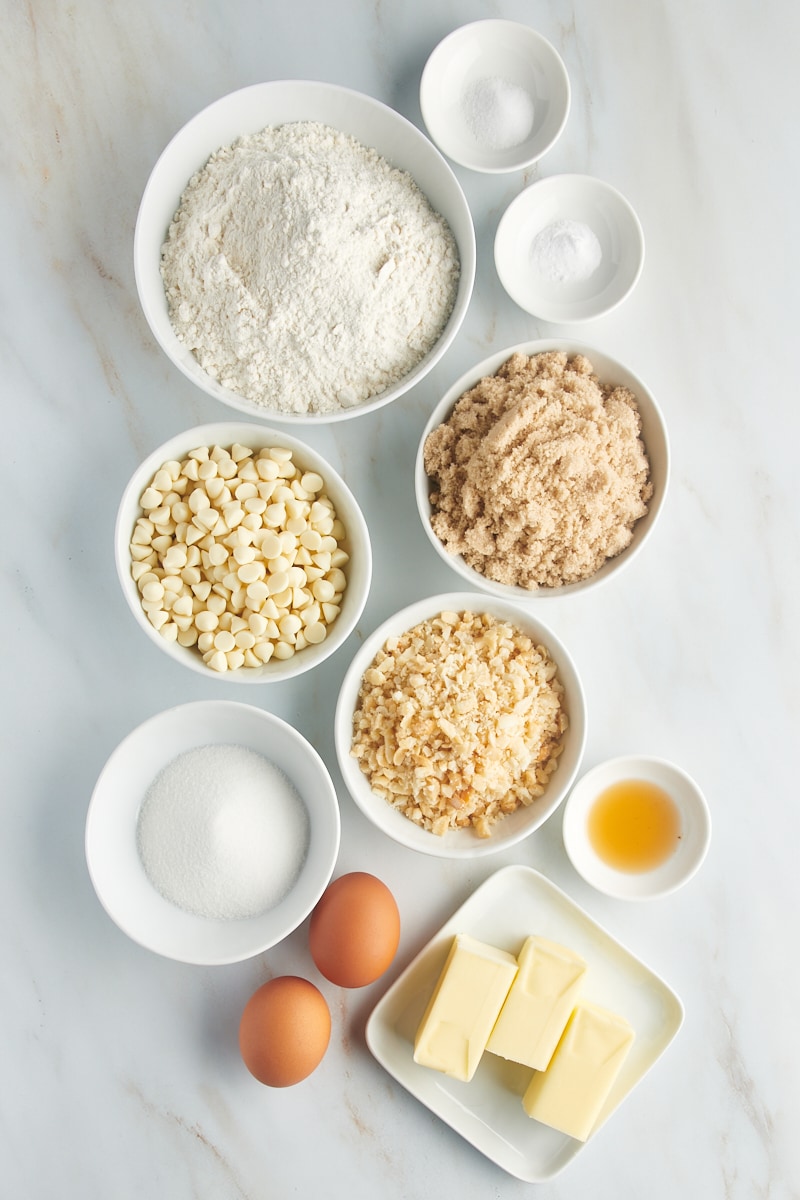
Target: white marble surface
pixel 120 1070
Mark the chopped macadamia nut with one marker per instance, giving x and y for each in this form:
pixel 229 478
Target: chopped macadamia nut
pixel 459 721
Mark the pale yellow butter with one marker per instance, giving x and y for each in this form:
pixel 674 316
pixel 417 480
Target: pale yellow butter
pixel 464 1006
pixel 570 1094
pixel 538 1006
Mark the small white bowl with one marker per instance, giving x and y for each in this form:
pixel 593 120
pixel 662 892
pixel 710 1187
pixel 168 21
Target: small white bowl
pixel 511 829
pixel 695 826
pixel 357 543
pixel 116 870
pixel 654 436
pixel 280 102
pixel 588 202
pixel 492 50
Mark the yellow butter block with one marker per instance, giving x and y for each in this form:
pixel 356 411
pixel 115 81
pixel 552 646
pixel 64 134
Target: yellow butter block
pixel 464 1006
pixel 538 1006
pixel 570 1094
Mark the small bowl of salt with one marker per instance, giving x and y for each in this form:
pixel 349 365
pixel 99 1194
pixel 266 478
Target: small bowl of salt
pixel 494 96
pixel 212 831
pixel 569 248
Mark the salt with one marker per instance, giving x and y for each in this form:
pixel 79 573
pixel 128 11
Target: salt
pixel 566 252
pixel 499 113
pixel 222 833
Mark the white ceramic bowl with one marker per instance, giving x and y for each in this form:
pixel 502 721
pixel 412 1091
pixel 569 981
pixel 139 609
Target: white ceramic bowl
pixel 511 829
pixel 695 829
pixel 492 50
pixel 357 543
pixel 654 436
pixel 276 103
pixel 115 867
pixel 588 202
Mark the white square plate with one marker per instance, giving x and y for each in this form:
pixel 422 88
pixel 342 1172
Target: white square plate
pixel 514 902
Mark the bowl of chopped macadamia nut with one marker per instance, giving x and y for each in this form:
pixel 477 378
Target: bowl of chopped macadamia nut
pixel 302 252
pixel 542 471
pixel 460 725
pixel 242 553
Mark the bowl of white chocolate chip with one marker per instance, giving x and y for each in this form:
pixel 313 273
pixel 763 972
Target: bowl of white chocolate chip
pixel 242 553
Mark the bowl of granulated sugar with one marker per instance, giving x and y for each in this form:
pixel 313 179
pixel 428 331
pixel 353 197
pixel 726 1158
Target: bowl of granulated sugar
pixel 303 253
pixel 212 831
pixel 495 96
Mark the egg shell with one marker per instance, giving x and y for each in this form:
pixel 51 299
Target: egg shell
pixel 355 930
pixel 284 1031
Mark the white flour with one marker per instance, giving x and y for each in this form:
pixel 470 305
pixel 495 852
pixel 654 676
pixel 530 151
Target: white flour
pixel 304 272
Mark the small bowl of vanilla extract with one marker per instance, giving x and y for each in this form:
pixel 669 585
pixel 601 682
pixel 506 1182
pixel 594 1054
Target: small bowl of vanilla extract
pixel 636 828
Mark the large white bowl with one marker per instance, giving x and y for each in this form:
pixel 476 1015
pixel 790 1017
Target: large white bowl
pixel 116 870
pixel 276 103
pixel 357 543
pixel 654 436
pixel 461 843
pixel 493 49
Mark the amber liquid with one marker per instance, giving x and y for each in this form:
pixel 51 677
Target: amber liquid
pixel 634 825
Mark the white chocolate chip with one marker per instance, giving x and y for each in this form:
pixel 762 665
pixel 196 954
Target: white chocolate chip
pixel 230 555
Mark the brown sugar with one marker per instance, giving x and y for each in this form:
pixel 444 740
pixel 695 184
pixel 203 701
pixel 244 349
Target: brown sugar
pixel 540 473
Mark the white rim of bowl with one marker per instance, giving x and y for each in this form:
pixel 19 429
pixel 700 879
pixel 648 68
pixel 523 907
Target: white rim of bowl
pixel 489 366
pixel 288 668
pixel 143 267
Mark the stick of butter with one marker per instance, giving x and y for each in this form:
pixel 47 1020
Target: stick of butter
pixel 464 1006
pixel 570 1094
pixel 538 1006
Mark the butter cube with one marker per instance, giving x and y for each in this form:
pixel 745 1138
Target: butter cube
pixel 569 1095
pixel 464 1006
pixel 538 1006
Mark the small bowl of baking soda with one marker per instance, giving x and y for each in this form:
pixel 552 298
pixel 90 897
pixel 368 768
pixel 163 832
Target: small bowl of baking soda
pixel 569 248
pixel 212 831
pixel 494 96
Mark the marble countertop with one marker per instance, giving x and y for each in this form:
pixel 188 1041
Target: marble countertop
pixel 121 1075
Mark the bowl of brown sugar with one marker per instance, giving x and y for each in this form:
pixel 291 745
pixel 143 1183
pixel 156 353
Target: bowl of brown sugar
pixel 542 471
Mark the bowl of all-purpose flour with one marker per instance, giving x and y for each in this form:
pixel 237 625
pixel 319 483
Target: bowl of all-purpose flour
pixel 212 831
pixel 303 252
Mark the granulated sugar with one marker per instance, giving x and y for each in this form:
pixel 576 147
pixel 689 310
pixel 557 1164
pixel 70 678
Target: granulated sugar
pixel 304 272
pixel 222 833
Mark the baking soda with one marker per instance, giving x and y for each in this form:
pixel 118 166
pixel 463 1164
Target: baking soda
pixel 566 252
pixel 222 833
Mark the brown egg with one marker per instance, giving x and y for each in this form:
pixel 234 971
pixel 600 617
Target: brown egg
pixel 284 1031
pixel 355 930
